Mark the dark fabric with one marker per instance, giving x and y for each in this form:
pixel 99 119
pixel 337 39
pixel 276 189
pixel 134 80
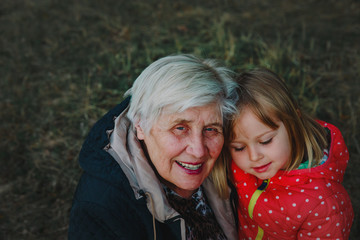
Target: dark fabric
pixel 199 219
pixel 104 205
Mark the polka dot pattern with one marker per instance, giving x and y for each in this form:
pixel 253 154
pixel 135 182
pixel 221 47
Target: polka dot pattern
pixel 299 204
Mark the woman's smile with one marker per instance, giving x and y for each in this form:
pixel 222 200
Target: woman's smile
pixel 184 146
pixel 192 167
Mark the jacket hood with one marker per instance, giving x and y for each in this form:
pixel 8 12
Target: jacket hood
pixel 126 149
pixel 112 138
pixel 92 158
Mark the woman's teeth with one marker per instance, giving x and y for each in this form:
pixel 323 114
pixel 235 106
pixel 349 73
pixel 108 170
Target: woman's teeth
pixel 190 166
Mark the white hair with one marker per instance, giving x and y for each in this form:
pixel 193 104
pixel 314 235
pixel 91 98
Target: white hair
pixel 180 82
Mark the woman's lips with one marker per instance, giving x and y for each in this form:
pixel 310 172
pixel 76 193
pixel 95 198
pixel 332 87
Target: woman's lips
pixel 190 168
pixel 262 168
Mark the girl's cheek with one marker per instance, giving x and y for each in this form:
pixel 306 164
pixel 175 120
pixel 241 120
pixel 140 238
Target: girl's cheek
pixel 237 159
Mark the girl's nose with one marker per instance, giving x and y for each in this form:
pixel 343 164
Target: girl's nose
pixel 254 154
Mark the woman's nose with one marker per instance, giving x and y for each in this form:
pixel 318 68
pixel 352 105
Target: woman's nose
pixel 196 146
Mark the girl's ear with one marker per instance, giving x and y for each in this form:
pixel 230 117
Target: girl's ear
pixel 139 132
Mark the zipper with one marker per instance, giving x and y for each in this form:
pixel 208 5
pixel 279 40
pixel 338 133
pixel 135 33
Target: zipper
pixel 252 203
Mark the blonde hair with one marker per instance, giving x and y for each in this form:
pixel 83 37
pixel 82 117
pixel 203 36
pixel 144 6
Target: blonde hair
pixel 267 96
pixel 219 176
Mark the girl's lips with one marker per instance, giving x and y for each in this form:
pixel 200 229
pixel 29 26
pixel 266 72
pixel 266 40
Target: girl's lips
pixel 262 168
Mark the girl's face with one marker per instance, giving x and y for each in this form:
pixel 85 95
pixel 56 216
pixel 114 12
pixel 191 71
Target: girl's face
pixel 258 149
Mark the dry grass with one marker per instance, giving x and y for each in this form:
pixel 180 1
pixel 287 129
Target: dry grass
pixel 65 63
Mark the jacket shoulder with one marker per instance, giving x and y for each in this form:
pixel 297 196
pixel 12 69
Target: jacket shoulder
pixel 105 211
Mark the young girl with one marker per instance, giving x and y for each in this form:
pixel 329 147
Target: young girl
pixel 287 167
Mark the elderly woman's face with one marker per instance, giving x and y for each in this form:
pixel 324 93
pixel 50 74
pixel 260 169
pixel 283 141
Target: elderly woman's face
pixel 184 146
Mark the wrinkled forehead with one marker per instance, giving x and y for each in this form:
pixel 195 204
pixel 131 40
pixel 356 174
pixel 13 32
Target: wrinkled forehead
pixel 207 114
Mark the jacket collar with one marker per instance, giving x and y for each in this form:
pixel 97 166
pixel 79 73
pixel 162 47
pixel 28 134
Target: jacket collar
pixel 126 149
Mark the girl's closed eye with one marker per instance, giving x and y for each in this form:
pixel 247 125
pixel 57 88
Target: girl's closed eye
pixel 266 142
pixel 238 148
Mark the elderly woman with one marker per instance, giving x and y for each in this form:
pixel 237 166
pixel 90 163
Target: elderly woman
pixel 150 164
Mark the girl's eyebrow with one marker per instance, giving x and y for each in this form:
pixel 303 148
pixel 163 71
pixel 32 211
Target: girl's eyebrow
pixel 262 134
pixel 256 137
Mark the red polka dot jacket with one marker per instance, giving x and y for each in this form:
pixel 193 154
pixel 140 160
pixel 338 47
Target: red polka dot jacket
pixel 300 204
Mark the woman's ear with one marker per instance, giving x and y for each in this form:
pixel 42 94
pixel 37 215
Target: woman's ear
pixel 139 132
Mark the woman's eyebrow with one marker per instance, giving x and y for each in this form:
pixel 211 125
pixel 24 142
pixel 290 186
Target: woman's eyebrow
pixel 185 121
pixel 215 124
pixel 181 121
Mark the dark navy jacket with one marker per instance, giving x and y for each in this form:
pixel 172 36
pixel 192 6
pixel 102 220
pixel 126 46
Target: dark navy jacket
pixel 104 205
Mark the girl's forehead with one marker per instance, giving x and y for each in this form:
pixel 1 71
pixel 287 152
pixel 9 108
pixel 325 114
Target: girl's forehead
pixel 248 117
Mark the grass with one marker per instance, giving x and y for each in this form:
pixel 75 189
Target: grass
pixel 63 64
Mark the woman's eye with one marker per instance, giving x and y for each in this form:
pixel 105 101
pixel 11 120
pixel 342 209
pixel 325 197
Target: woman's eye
pixel 210 131
pixel 266 142
pixel 180 130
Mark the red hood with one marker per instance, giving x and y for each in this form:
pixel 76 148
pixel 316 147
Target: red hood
pixel 333 169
